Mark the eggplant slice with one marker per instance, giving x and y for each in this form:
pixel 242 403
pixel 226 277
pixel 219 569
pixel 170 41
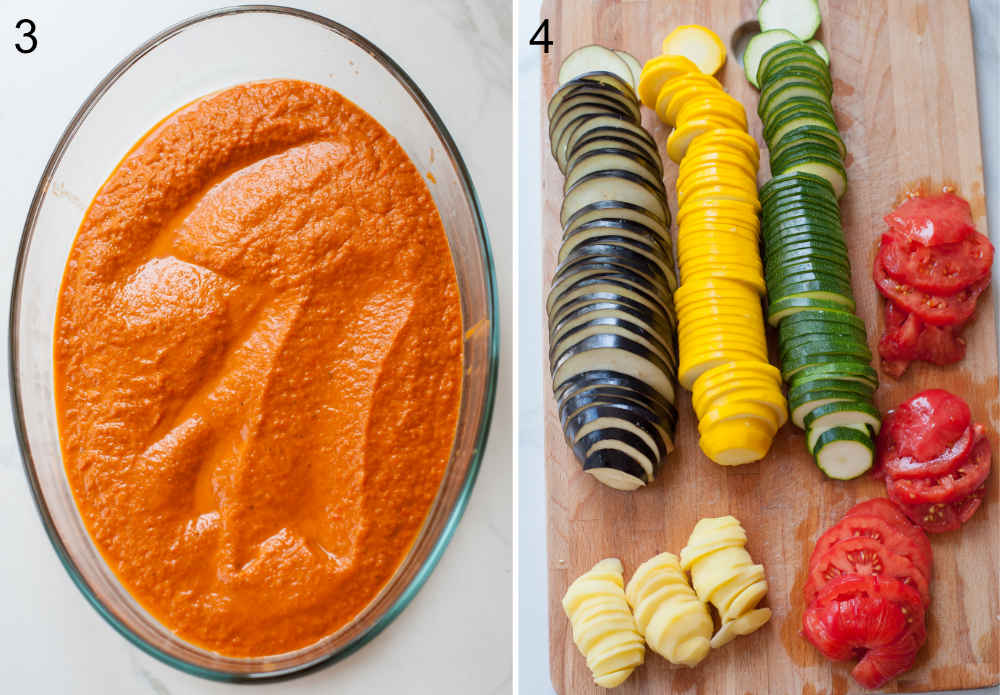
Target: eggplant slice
pixel 611 319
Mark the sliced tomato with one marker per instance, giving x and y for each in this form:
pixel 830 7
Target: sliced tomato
pixel 940 270
pixel 942 464
pixel 864 556
pixel 932 219
pixel 882 665
pixel 881 507
pixel 899 535
pixel 911 339
pixel 877 618
pixel 951 486
pixel 928 424
pixel 929 308
pixel 939 518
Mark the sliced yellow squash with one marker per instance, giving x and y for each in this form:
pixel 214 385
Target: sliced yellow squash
pixel 657 71
pixel 700 45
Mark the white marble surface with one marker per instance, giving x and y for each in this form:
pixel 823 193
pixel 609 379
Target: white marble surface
pixel 532 648
pixel 455 637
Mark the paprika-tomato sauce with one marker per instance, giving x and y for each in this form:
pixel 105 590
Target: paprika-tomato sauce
pixel 258 357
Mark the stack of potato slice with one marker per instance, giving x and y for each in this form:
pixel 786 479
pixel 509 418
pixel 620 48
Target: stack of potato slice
pixel 612 327
pixel 722 346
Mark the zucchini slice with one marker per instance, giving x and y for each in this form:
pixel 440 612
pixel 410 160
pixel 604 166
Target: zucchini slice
pixel 843 453
pixel 837 414
pixel 814 399
pixel 820 49
pixel 758 46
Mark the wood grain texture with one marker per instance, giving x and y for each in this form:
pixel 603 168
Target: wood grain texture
pixel 905 101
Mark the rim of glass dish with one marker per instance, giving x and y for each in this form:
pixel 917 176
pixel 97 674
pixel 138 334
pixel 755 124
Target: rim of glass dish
pixel 486 254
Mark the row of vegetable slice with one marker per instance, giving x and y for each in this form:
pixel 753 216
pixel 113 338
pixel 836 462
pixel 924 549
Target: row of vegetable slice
pixel 723 349
pixel 612 324
pixel 825 359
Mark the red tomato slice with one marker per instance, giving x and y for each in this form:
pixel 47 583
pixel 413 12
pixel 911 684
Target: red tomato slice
pixel 944 463
pixel 883 508
pixel 941 270
pixel 946 488
pixel 933 309
pixel 939 518
pixel 879 619
pixel 863 556
pixel 909 339
pixel 897 534
pixel 928 424
pixel 933 219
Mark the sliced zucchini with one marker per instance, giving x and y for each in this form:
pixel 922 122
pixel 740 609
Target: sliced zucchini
pixel 843 453
pixel 836 414
pixel 790 305
pixel 798 411
pixel 843 370
pixel 758 46
pixel 813 433
pixel 830 170
pixel 820 49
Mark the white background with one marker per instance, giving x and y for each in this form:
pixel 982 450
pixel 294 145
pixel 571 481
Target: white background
pixel 455 637
pixel 533 652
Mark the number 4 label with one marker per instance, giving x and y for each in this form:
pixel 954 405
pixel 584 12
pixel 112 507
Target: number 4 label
pixel 543 31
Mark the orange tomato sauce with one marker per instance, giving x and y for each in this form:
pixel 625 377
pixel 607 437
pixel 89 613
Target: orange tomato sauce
pixel 258 356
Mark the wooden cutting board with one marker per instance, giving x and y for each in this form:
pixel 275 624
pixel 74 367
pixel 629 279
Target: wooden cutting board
pixel 905 101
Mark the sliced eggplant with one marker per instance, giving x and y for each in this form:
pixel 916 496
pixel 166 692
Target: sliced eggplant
pixel 609 407
pixel 585 127
pixel 621 439
pixel 613 160
pixel 619 289
pixel 590 95
pixel 651 281
pixel 614 353
pixel 594 58
pixel 612 138
pixel 635 67
pixel 612 326
pixel 615 469
pixel 613 379
pixel 617 210
pixel 581 112
pixel 649 323
pixel 598 246
pixel 654 288
pixel 597 301
pixel 585 86
pixel 621 262
pixel 620 186
pixel 627 251
pixel 626 227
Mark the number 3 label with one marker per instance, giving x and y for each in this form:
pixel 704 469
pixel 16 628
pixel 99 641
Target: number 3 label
pixel 27 27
